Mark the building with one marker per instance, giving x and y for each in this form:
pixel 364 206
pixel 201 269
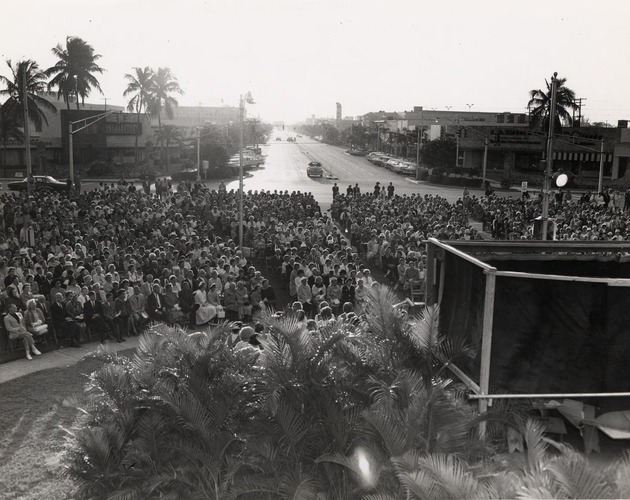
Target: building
pixel 111 140
pixel 512 146
pixel 198 116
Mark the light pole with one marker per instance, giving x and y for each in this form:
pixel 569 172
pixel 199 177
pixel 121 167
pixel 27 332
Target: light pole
pixel 247 98
pixel 547 186
pixel 469 106
pixel 92 120
pixel 27 134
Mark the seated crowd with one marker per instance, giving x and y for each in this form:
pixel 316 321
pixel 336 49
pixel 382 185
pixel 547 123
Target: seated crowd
pixel 596 217
pixel 110 261
pixel 389 230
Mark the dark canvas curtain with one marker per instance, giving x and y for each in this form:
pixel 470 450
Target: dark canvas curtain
pixel 617 368
pixel 548 336
pixel 461 309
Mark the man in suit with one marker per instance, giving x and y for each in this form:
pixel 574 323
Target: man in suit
pixel 63 323
pixel 93 314
pixel 155 304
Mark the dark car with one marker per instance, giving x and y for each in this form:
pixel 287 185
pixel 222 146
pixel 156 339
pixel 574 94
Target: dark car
pixel 315 169
pixel 42 183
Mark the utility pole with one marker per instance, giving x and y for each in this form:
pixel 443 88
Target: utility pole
pixel 549 170
pixel 579 104
pixel 27 133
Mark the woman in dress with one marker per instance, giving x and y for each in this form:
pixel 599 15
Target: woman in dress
pixel 34 319
pixel 243 301
pixel 214 299
pixel 205 312
pixel 360 295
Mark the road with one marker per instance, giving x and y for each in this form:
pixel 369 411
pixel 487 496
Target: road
pixel 285 169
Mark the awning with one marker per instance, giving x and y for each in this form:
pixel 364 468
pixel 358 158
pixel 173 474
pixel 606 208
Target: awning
pixel 571 156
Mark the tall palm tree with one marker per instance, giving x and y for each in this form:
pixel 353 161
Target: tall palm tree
pixel 9 130
pixel 540 102
pixel 169 134
pixel 74 71
pixel 164 84
pixel 139 84
pixel 35 84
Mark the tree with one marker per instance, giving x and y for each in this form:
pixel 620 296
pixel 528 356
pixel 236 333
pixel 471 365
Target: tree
pixel 13 107
pixel 73 73
pixel 540 102
pixel 9 130
pixel 169 134
pixel 439 153
pixel 140 85
pixel 163 85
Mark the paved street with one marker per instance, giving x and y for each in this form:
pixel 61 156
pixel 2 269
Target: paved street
pixel 285 169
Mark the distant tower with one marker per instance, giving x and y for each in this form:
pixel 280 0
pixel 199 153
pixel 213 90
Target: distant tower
pixel 338 115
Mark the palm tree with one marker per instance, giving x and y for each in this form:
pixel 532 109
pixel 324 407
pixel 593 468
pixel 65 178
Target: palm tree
pixel 9 130
pixel 73 72
pixel 139 85
pixel 169 134
pixel 163 85
pixel 540 102
pixel 13 107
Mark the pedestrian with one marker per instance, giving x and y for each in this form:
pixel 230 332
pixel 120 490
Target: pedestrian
pixel 390 190
pixel 335 191
pixel 377 189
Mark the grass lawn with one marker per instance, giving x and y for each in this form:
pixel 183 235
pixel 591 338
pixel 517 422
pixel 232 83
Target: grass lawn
pixel 32 443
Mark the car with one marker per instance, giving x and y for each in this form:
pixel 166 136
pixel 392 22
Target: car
pixel 391 163
pixel 380 161
pixel 315 169
pixel 410 168
pixel 42 183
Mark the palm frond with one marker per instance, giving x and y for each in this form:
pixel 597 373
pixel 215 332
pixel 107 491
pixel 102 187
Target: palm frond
pixel 534 435
pixel 576 478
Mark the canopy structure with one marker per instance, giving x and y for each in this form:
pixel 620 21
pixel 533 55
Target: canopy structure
pixel 547 319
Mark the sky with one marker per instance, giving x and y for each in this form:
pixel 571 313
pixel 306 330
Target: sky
pixel 300 57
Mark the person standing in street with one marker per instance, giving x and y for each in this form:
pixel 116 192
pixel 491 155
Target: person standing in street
pixel 390 190
pixel 377 189
pixel 335 190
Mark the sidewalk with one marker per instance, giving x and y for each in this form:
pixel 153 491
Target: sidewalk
pixel 60 358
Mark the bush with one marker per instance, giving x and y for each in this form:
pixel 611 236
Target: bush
pixel 198 419
pixel 423 174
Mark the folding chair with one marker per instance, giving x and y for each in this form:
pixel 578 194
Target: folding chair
pixel 417 292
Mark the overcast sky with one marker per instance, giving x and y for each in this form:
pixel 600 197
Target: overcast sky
pixel 300 57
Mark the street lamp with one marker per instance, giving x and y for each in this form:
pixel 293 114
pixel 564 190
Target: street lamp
pixel 469 106
pixel 547 184
pixel 92 120
pixel 247 98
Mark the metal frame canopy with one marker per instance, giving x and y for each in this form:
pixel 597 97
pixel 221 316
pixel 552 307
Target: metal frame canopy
pixel 565 304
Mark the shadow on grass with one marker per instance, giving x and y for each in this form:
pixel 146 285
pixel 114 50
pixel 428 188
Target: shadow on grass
pixel 32 442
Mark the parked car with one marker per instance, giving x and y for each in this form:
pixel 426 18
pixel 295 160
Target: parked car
pixel 391 163
pixel 410 168
pixel 399 167
pixel 42 183
pixel 315 169
pixel 380 160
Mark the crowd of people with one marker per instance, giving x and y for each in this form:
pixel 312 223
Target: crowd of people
pixel 388 229
pixel 590 216
pixel 107 262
